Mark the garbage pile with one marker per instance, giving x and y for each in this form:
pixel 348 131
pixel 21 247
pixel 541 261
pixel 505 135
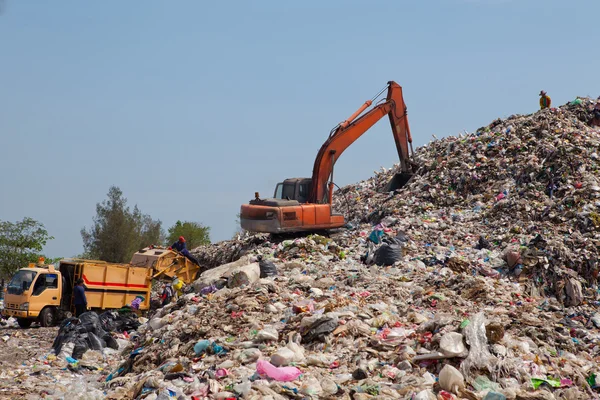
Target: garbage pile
pixel 30 370
pixel 527 186
pixel 477 280
pixel 213 255
pixel 93 332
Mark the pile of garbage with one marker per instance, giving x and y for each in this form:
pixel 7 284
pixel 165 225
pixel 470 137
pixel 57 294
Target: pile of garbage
pixel 215 254
pixel 527 187
pixel 93 332
pixel 30 370
pixel 477 280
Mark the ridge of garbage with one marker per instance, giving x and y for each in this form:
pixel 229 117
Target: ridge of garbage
pixel 477 280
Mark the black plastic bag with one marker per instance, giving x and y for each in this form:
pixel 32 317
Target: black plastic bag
pixel 81 346
pixel 267 268
pixel 483 243
pixel 388 254
pixel 319 329
pixel 94 342
pixel 402 237
pixel 110 342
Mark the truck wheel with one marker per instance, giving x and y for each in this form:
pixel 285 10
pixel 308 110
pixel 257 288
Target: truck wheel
pixel 47 317
pixel 24 322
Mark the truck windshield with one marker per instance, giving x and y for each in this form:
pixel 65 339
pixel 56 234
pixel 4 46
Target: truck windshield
pixel 21 282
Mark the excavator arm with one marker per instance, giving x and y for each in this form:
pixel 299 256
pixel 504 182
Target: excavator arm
pixel 350 130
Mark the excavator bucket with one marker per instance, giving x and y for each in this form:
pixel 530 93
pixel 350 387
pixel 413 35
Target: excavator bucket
pixel 398 181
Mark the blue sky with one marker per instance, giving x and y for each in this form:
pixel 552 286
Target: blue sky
pixel 192 106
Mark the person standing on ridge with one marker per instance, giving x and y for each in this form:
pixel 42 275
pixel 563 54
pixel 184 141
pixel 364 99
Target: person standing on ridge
pixel 180 247
pixel 596 113
pixel 80 300
pixel 545 100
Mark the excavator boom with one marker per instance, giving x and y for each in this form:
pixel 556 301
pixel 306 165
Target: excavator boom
pixel 349 131
pixel 302 204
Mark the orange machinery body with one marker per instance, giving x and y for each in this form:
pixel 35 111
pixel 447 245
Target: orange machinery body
pixel 305 204
pixel 302 217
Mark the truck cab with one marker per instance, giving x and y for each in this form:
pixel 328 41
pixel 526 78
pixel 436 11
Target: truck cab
pixel 34 293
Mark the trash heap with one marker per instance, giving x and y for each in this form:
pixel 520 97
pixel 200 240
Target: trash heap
pixel 30 369
pixel 93 332
pixel 477 280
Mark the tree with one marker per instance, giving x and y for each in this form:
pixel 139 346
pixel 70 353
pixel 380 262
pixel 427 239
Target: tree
pixel 117 232
pixel 21 243
pixel 195 234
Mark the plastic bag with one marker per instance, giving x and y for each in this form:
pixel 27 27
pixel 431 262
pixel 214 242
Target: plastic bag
pixel 376 236
pixel 80 347
pixel 451 379
pixel 201 347
pixel 94 342
pixel 483 383
pixel 479 355
pixel 281 374
pixel 319 329
pixel 388 254
pixel 267 268
pixel 452 345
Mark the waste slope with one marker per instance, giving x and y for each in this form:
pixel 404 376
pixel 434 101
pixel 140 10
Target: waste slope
pixel 476 280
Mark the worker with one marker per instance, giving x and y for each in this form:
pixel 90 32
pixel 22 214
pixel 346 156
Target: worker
pixel 596 113
pixel 177 286
pixel 80 299
pixel 181 248
pixel 167 294
pixel 545 100
pixel 135 303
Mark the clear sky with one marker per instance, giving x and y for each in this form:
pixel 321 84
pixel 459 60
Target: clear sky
pixel 192 106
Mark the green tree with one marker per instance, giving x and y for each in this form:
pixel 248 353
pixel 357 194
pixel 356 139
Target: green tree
pixel 118 232
pixel 20 244
pixel 195 234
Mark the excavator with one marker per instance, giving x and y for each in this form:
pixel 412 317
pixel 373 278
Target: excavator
pixel 305 204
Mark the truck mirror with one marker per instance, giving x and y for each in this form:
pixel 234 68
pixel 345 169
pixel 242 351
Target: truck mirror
pixel 24 285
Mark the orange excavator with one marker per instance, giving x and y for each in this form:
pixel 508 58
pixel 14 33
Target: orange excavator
pixel 305 204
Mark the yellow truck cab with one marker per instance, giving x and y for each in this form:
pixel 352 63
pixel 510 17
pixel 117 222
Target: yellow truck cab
pixel 44 294
pixel 32 294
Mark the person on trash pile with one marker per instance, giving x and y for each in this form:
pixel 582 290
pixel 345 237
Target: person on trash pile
pixel 167 294
pixel 135 303
pixel 177 286
pixel 80 300
pixel 545 100
pixel 596 114
pixel 181 248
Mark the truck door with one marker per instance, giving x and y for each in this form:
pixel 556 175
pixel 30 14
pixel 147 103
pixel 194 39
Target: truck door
pixel 44 293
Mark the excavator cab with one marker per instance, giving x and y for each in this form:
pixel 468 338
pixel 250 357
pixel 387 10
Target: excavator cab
pixel 293 189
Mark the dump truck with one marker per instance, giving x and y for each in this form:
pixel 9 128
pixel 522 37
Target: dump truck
pixel 44 294
pixel 306 204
